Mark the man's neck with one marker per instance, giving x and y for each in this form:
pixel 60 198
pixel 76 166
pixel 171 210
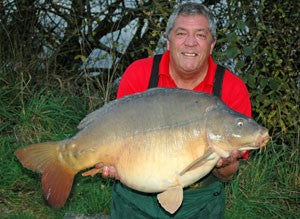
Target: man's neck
pixel 188 81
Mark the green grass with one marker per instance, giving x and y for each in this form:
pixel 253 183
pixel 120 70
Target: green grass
pixel 44 116
pixel 267 185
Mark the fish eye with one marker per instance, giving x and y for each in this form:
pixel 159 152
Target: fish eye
pixel 240 123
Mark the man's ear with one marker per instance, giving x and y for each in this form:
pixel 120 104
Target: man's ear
pixel 212 46
pixel 168 46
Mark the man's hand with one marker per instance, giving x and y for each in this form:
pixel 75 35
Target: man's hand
pixel 107 171
pixel 226 167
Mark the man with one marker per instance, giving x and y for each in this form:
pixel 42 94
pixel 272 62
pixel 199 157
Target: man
pixel 187 63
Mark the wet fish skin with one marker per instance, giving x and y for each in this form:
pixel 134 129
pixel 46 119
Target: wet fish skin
pixel 160 140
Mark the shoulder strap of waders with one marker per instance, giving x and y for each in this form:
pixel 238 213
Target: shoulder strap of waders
pixel 154 73
pixel 217 88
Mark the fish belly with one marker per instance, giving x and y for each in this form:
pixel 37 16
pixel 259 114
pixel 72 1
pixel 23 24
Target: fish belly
pixel 152 162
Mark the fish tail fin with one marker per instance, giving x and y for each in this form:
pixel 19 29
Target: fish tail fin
pixel 57 177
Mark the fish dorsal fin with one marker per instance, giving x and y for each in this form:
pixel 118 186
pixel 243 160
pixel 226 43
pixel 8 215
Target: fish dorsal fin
pixel 171 199
pixel 198 162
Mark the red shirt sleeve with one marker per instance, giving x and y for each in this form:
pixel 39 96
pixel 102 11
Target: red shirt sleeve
pixel 135 78
pixel 235 94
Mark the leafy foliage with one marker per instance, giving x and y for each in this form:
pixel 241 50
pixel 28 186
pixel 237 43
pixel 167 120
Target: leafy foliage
pixel 259 43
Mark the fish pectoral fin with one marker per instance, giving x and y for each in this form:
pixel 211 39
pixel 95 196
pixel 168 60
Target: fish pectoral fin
pixel 198 162
pixel 92 172
pixel 219 151
pixel 171 199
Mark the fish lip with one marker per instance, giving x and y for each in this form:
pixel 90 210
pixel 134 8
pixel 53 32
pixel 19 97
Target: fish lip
pixel 261 142
pixel 263 138
pixel 247 147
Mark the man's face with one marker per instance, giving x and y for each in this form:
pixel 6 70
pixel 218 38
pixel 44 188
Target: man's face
pixel 190 44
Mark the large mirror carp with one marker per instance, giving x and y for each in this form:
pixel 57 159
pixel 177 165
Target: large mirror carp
pixel 159 141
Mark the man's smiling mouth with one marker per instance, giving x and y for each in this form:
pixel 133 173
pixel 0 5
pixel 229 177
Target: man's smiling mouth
pixel 189 54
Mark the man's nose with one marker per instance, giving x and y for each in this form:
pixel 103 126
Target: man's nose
pixel 190 40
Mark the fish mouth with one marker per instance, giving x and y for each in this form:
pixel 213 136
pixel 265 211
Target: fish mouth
pixel 189 54
pixel 262 138
pixel 260 142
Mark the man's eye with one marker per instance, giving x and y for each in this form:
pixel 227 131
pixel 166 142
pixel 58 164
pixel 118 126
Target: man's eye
pixel 201 36
pixel 181 34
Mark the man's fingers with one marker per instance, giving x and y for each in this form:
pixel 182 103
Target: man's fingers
pixel 111 172
pixel 99 165
pixel 235 154
pixel 242 153
pixel 219 163
pixel 105 171
pixel 226 167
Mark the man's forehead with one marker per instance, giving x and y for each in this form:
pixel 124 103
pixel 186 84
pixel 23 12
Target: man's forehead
pixel 205 29
pixel 199 22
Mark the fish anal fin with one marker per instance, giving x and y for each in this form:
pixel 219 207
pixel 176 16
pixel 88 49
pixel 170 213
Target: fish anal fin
pixel 57 176
pixel 171 199
pixel 198 162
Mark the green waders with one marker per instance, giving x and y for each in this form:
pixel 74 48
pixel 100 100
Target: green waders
pixel 206 201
